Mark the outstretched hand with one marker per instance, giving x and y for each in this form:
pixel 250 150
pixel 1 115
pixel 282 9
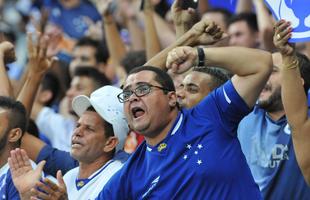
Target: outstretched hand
pixel 283 32
pixel 49 190
pixel 38 63
pixel 24 177
pixel 181 59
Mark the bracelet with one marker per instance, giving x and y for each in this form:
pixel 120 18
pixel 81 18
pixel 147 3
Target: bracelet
pixel 292 65
pixel 201 57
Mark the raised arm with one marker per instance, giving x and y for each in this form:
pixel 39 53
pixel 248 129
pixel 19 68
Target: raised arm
pixel 202 33
pixel 265 25
pixel 251 67
pixel 114 42
pixel 37 67
pixel 150 32
pixel 7 55
pixel 182 19
pixel 294 97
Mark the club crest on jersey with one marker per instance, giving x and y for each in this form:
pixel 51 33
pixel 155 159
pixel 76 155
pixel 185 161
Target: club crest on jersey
pixel 295 11
pixel 161 147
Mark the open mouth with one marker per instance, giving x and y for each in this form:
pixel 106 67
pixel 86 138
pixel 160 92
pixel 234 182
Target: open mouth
pixel 76 144
pixel 137 112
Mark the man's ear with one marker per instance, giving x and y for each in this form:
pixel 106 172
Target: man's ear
pixel 302 81
pixel 45 96
pixel 15 134
pixel 110 144
pixel 172 99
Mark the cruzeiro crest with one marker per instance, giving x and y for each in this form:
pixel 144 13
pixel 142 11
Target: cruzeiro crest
pixel 295 11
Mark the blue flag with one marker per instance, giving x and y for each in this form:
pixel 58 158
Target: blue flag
pixel 295 11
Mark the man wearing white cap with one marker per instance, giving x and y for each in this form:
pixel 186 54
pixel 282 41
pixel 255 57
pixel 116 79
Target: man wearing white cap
pixel 100 132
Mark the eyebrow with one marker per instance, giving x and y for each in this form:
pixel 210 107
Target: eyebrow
pixel 139 83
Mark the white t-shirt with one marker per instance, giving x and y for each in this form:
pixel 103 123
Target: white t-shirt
pixel 88 189
pixel 56 128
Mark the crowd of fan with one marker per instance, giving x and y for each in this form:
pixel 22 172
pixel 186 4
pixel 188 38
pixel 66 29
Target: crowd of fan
pixel 115 99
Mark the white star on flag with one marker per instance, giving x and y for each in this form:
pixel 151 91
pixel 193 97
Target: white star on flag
pixel 185 157
pixel 199 162
pixel 199 146
pixel 188 146
pixel 196 152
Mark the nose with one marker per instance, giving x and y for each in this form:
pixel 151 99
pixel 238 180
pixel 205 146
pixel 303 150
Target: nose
pixel 133 97
pixel 70 93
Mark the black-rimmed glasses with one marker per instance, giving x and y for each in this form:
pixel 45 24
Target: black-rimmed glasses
pixel 140 91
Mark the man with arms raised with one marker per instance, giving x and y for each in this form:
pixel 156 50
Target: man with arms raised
pixel 186 153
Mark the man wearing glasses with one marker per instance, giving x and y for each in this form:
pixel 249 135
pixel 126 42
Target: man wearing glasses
pixel 194 153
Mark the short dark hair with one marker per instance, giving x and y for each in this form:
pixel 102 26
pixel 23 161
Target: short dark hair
pixel 102 53
pixel 218 76
pixel 17 115
pixel 99 78
pixel 304 67
pixel 249 18
pixel 133 59
pixel 161 76
pixel 50 82
pixel 226 14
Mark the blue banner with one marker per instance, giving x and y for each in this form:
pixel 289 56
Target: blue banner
pixel 295 11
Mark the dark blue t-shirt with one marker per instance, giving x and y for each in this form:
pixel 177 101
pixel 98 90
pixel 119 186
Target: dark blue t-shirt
pixel 200 158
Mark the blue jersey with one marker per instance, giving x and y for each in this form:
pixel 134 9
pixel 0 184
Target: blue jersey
pixel 269 151
pixel 200 158
pixel 74 22
pixel 7 188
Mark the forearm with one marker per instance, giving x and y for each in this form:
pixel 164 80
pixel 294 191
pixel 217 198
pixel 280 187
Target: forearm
pixel 238 60
pixel 136 34
pixel 293 95
pixel 115 44
pixel 169 36
pixel 32 145
pixel 244 6
pixel 159 60
pixel 265 26
pixel 181 29
pixel 151 37
pixel 29 90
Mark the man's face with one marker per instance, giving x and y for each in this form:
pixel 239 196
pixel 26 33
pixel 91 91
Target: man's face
pixel 149 113
pixel 80 85
pixel 88 139
pixel 194 88
pixel 4 123
pixel 241 35
pixel 270 97
pixel 82 56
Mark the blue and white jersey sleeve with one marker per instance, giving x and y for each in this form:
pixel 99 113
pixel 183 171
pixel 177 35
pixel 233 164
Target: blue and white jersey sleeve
pixel 223 104
pixel 56 160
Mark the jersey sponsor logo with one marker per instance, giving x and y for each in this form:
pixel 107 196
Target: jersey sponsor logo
pixel 295 11
pixel 153 184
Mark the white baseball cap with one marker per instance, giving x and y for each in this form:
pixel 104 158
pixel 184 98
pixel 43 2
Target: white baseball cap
pixel 104 101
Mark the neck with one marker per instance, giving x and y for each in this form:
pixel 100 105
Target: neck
pixel 163 131
pixel 4 154
pixel 276 115
pixel 86 169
